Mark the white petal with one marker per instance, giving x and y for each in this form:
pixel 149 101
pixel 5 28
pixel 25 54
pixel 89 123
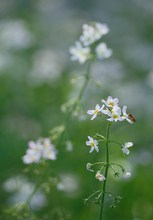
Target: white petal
pixel 124 110
pixel 129 144
pixel 96 148
pixel 88 143
pixel 110 119
pixel 131 122
pixel 116 101
pixel 125 150
pixel 31 144
pixel 89 137
pixel 96 142
pixel 97 107
pixel 90 112
pixel 94 116
pixel 91 149
pixel 105 112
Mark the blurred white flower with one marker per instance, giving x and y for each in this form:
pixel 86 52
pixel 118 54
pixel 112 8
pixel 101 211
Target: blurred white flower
pixel 48 150
pixel 93 32
pixel 126 146
pixel 80 53
pixel 46 66
pixel 15 34
pixel 93 144
pixel 95 112
pixel 33 153
pixel 100 176
pixel 69 183
pixel 127 174
pixel 102 51
pixel 110 102
pixel 89 166
pixel 6 60
pixel 41 149
pixel 14 183
pixel 21 189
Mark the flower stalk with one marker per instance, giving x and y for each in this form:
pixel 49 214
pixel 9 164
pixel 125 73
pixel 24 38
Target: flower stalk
pixel 78 99
pixel 106 172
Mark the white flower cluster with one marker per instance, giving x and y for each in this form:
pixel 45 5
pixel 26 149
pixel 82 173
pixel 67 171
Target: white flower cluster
pixel 84 50
pixel 94 146
pixel 41 149
pixel 112 110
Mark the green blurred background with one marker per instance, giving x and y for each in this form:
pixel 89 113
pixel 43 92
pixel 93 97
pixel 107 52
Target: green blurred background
pixel 37 77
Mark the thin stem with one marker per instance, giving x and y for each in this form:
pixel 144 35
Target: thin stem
pixel 118 166
pixel 112 168
pixel 106 172
pixel 93 194
pixel 39 184
pixel 80 95
pixel 97 163
pixel 33 193
pixel 87 78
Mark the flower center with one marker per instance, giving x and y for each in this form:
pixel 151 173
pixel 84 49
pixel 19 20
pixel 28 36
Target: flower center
pixel 111 104
pixel 96 111
pixel 115 116
pixel 92 144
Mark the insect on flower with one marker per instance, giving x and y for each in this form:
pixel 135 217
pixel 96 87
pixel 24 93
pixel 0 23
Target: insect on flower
pixel 131 117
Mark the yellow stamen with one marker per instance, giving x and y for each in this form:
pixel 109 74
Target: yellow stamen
pixel 111 104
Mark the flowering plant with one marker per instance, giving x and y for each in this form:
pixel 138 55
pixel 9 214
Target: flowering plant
pixel 112 113
pixel 42 149
pixel 89 48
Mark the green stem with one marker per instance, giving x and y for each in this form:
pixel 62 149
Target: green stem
pixel 39 184
pixel 93 194
pixel 106 173
pixel 118 166
pixel 80 95
pixel 82 90
pixel 87 78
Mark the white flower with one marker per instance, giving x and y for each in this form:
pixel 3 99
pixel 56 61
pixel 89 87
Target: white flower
pixel 126 146
pixel 33 153
pixel 93 144
pixel 69 183
pixel 125 115
pixel 95 112
pixel 15 34
pixel 127 174
pixel 110 102
pixel 93 32
pixel 41 149
pixel 102 51
pixel 102 28
pixel 89 166
pixel 48 151
pixel 114 114
pixel 80 53
pixel 99 176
